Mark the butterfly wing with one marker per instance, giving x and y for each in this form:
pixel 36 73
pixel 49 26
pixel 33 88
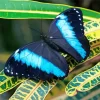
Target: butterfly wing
pixel 36 61
pixel 67 32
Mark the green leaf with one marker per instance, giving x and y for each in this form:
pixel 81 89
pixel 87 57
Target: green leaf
pixel 93 94
pixel 19 0
pixel 33 90
pixel 84 81
pixel 34 9
pixel 7 83
pixel 90 84
pixel 92 30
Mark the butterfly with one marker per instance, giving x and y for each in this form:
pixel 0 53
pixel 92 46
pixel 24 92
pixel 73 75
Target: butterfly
pixel 42 59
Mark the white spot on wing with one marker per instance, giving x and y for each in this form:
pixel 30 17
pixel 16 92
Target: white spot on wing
pixel 8 71
pixel 17 51
pixel 16 73
pixel 74 9
pixel 5 67
pixel 57 16
pixel 77 11
pixel 51 37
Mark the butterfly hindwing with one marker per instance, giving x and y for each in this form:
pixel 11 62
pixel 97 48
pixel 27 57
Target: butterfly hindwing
pixel 38 61
pixel 67 32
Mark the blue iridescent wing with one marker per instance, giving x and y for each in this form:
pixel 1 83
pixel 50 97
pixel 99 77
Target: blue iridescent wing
pixel 67 32
pixel 36 61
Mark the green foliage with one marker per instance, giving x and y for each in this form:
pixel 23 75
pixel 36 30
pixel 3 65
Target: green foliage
pixel 7 83
pixel 92 30
pixel 37 90
pixel 93 94
pixel 33 90
pixel 84 81
pixel 33 9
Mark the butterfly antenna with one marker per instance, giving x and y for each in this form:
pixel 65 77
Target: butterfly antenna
pixel 41 28
pixel 34 29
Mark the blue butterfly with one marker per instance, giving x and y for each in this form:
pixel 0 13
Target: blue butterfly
pixel 42 59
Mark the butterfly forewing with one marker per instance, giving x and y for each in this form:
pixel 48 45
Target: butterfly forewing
pixel 67 32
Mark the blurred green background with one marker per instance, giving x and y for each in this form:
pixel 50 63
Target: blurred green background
pixel 15 33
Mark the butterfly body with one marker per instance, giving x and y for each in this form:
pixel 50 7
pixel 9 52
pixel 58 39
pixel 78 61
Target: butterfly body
pixel 42 59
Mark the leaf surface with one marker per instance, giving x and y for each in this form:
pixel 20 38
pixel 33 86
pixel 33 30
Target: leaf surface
pixel 33 9
pixel 84 81
pixel 7 83
pixel 33 90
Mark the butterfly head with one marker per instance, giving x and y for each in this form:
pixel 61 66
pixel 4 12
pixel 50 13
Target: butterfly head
pixel 43 37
